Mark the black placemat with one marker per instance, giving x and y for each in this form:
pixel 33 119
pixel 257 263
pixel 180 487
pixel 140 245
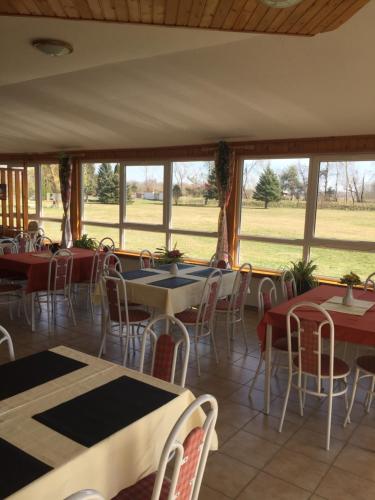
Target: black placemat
pixel 90 418
pixel 26 373
pixel 208 271
pixel 137 273
pixel 166 267
pixel 18 468
pixel 174 282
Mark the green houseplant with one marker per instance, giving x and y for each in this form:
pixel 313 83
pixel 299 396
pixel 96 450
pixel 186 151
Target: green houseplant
pixel 350 280
pixel 303 273
pixel 86 242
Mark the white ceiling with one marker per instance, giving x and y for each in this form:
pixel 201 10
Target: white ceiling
pixel 140 86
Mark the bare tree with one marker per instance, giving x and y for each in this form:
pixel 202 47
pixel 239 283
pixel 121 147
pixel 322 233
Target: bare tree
pixel 180 173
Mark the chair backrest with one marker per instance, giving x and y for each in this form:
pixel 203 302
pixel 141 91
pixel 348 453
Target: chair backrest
pixel 146 259
pixel 115 298
pixel 23 242
pixel 190 457
pixel 267 296
pixel 97 266
pixel 370 283
pixel 111 263
pixel 8 247
pixel 60 271
pixel 165 348
pixel 107 244
pixel 309 336
pixel 43 243
pixel 85 495
pixel 241 287
pixel 6 338
pixel 223 263
pixel 209 298
pixel 288 285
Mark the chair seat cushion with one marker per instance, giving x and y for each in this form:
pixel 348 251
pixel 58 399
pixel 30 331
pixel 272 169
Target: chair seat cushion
pixel 282 344
pixel 189 316
pixel 367 363
pixel 8 288
pixel 340 368
pixel 137 315
pixel 143 490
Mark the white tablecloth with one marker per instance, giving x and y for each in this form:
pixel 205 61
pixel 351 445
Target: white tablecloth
pixel 114 463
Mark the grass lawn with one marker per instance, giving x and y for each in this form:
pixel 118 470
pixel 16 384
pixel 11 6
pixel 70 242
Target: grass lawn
pixel 275 221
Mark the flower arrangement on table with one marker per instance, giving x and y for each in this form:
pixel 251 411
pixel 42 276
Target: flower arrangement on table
pixel 350 280
pixel 166 256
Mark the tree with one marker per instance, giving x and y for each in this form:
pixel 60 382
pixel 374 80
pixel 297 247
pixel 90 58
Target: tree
pixel 108 184
pixel 268 187
pixel 176 193
pixel 210 187
pixel 89 181
pixel 290 183
pixel 129 194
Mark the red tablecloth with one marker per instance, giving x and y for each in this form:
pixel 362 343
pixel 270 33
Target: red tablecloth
pixel 36 268
pixel 349 328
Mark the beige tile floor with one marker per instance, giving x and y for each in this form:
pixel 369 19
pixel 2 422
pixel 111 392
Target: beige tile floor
pixel 254 461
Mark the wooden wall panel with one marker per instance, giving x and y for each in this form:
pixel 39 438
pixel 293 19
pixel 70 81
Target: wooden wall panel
pixel 3 178
pixel 25 198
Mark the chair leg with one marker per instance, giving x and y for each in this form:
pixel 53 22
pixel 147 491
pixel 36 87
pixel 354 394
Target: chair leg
pixel 72 310
pixel 346 394
pixel 24 304
pixel 285 402
pixel 127 338
pixel 329 416
pixel 370 395
pixel 214 342
pixel 196 340
pixel 243 328
pixel 356 378
pixel 261 359
pixel 228 332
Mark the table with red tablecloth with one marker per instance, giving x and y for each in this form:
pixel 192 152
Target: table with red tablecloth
pixel 348 327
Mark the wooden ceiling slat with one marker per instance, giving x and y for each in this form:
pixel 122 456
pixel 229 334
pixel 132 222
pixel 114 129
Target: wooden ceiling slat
pixel 184 10
pixel 308 15
pixel 256 17
pixel 221 13
pixel 158 12
pixel 83 9
pixel 57 8
pixel 280 19
pixel 146 11
pixel 121 9
pixel 233 14
pixel 8 7
pixel 134 10
pixel 345 16
pixel 32 7
pixel 340 9
pixel 96 9
pixel 196 12
pixel 208 13
pixel 171 11
pixel 45 7
pixel 20 7
pixel 70 8
pixel 320 16
pixel 245 15
pixel 267 20
pixel 108 10
pixel 298 12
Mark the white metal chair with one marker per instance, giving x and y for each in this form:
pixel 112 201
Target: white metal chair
pixel 146 259
pixel 201 319
pixel 188 462
pixel 234 307
pixel 288 285
pixel 86 495
pixel 310 361
pixel 369 283
pixel 165 348
pixel 119 320
pixel 43 244
pixel 365 369
pixel 8 247
pixel 111 263
pixel 225 263
pixel 107 244
pixel 59 286
pixel 6 338
pixel 24 243
pixel 97 269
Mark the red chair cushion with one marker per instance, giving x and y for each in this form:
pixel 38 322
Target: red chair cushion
pixel 189 316
pixel 137 315
pixel 282 344
pixel 164 358
pixel 340 368
pixel 367 363
pixel 143 490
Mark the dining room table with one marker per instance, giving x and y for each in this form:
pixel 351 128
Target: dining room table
pixel 354 324
pixel 33 266
pixel 70 421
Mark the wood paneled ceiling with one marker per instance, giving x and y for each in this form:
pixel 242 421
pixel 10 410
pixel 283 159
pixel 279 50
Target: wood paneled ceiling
pixel 307 18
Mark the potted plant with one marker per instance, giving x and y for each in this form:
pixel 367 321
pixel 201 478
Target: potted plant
pixel 171 257
pixel 303 273
pixel 350 280
pixel 86 242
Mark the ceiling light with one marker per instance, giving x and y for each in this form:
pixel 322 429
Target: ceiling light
pixel 280 4
pixel 51 47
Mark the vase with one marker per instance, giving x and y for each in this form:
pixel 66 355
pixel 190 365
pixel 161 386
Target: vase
pixel 348 299
pixel 173 269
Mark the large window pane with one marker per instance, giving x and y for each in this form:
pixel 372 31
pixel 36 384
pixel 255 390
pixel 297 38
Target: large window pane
pixel 346 200
pixel 334 263
pixel 195 247
pixel 268 255
pixel 52 229
pixel 101 191
pixel 194 196
pixel 50 188
pixel 139 240
pixel 274 197
pixel 144 193
pixel 31 191
pixel 100 232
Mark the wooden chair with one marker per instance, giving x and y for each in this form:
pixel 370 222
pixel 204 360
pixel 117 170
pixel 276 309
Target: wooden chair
pixel 311 362
pixel 119 319
pixel 5 338
pixel 146 259
pixel 201 319
pixel 365 369
pixel 165 348
pixel 234 307
pixel 188 460
pixel 288 285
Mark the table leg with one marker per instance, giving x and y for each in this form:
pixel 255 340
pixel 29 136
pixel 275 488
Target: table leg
pixel 33 312
pixel 267 378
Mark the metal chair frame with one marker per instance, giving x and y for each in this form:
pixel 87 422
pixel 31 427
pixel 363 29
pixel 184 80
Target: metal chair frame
pixel 288 276
pixel 110 246
pixel 227 258
pixel 370 392
pixel 6 338
pixel 146 255
pixel 85 495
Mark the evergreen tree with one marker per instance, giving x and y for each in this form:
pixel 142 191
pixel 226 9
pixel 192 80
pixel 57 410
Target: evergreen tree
pixel 108 184
pixel 129 194
pixel 290 182
pixel 176 193
pixel 210 188
pixel 268 187
pixel 89 181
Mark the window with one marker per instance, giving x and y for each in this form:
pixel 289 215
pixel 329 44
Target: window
pixel 268 255
pixel 50 192
pixel 138 240
pixel 31 192
pixel 334 263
